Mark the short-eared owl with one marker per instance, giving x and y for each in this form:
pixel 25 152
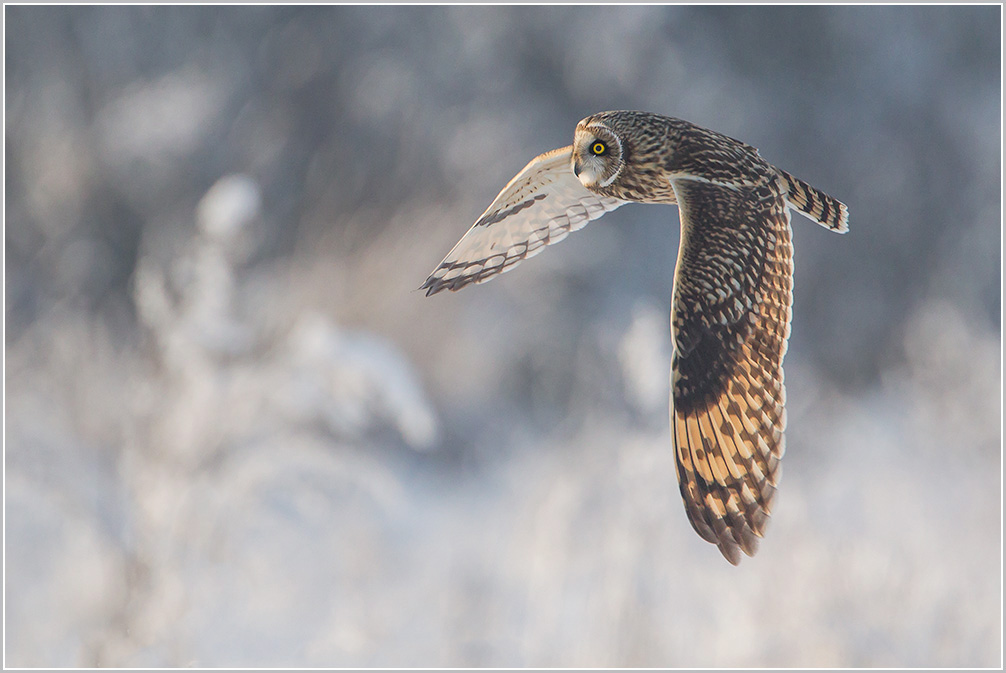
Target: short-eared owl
pixel 733 289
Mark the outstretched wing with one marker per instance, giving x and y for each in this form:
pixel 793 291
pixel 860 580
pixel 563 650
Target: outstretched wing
pixel 730 322
pixel 540 206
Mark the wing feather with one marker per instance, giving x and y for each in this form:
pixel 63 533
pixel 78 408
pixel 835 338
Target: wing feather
pixel 538 207
pixel 730 323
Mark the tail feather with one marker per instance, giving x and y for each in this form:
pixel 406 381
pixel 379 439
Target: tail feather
pixel 815 204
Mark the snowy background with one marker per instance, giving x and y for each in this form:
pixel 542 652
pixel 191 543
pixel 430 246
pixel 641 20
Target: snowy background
pixel 236 434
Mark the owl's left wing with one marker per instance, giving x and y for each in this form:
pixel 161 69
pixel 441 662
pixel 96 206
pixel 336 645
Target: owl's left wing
pixel 731 321
pixel 539 206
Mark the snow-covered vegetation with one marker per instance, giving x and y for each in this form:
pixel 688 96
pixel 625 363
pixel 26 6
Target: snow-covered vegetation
pixel 236 435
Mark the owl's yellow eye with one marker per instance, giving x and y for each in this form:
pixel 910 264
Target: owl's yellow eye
pixel 598 148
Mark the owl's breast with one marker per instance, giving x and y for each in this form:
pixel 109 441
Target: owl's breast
pixel 642 184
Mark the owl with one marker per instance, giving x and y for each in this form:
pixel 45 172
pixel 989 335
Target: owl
pixel 732 290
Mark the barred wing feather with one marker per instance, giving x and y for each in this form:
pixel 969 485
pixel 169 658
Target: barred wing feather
pixel 540 206
pixel 730 322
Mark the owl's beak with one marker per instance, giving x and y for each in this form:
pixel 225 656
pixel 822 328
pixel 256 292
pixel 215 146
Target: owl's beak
pixel 584 172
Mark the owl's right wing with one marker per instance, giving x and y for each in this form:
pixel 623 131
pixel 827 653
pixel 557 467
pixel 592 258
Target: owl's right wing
pixel 540 206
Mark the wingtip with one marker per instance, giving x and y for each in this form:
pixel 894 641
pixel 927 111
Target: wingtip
pixel 432 286
pixel 843 220
pixel 731 546
pixel 437 283
pixel 731 552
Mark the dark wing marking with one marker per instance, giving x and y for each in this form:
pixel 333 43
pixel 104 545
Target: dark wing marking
pixel 540 206
pixel 730 323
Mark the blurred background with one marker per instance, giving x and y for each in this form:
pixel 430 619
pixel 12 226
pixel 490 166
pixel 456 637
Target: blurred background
pixel 237 435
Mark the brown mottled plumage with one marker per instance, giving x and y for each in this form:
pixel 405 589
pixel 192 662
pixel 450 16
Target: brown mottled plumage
pixel 733 289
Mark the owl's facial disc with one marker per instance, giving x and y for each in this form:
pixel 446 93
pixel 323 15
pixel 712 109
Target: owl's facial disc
pixel 597 156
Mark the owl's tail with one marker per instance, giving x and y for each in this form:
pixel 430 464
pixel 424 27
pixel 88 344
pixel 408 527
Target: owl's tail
pixel 815 204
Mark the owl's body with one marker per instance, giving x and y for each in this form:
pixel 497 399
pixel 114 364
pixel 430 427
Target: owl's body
pixel 732 294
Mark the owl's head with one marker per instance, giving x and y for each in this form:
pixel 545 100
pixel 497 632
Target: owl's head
pixel 597 154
